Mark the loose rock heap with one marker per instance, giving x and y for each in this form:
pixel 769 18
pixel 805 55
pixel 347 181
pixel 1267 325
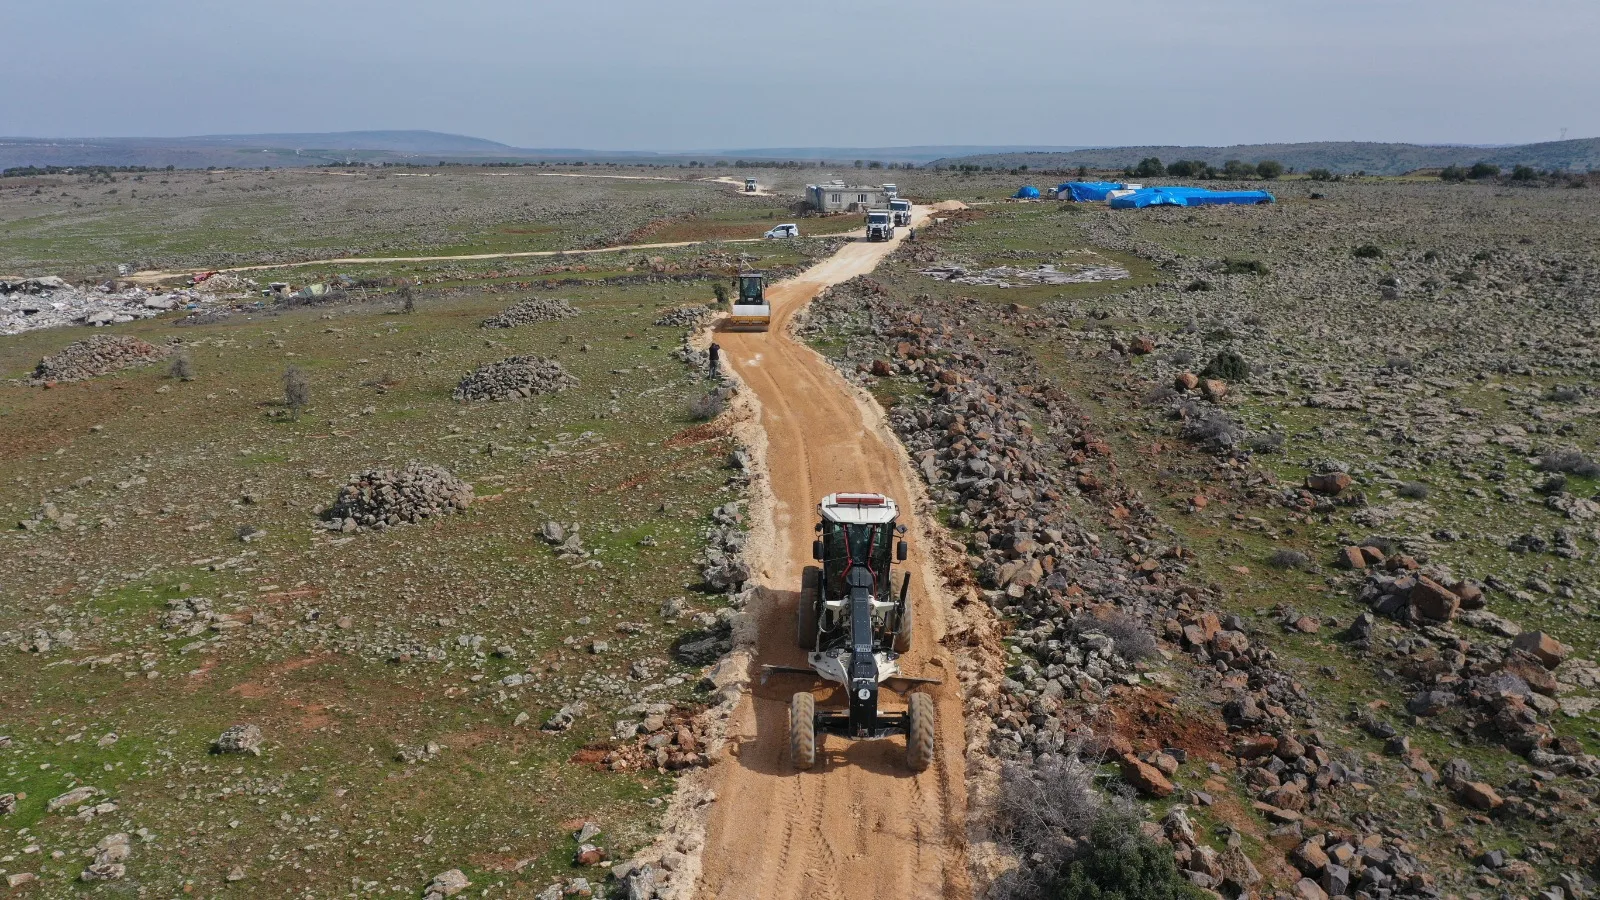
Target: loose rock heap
pixel 98 355
pixel 380 498
pixel 514 379
pixel 685 317
pixel 531 312
pixel 28 304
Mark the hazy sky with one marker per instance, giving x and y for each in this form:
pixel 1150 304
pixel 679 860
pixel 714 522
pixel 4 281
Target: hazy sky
pixel 694 74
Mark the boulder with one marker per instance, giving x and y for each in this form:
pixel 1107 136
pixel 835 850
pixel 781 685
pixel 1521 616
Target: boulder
pixel 1432 601
pixel 1329 483
pixel 1146 778
pixel 1542 646
pixel 1479 795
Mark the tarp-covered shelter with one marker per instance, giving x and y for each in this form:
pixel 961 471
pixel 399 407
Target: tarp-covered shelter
pixel 1026 192
pixel 1189 196
pixel 1086 191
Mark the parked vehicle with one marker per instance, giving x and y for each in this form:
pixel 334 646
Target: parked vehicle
pixel 880 225
pixel 783 231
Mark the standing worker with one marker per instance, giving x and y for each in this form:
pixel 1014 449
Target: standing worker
pixel 716 357
pixel 913 235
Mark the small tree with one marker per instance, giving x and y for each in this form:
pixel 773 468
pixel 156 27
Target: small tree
pixel 296 390
pixel 1269 169
pixel 721 291
pixel 1524 173
pixel 1150 167
pixel 181 368
pixel 1483 170
pixel 1452 173
pixel 1237 169
pixel 1319 174
pixel 408 298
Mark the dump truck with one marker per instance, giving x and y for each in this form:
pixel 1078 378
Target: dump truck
pixel 891 190
pixel 750 308
pixel 901 210
pixel 880 225
pixel 749 185
pixel 854 627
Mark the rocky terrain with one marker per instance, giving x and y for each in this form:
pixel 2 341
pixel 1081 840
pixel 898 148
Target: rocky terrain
pixel 1168 464
pixel 531 312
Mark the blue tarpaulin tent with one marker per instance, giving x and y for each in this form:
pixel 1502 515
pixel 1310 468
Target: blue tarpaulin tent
pixel 1189 196
pixel 1026 192
pixel 1086 191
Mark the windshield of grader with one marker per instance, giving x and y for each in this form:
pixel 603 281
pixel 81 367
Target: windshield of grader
pixel 866 545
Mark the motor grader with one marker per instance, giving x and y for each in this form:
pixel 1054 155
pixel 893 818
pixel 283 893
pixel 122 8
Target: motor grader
pixel 854 627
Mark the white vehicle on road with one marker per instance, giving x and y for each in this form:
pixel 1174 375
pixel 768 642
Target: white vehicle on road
pixel 880 225
pixel 901 210
pixel 783 231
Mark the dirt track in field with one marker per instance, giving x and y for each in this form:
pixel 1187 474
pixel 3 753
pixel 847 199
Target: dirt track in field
pixel 859 824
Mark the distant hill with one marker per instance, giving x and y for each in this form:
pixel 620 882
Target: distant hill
pixel 280 150
pixel 1338 156
pixel 916 153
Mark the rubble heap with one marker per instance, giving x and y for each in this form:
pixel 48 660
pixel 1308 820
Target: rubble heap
pixel 27 304
pixel 101 354
pixel 380 498
pixel 531 312
pixel 514 379
pixel 685 317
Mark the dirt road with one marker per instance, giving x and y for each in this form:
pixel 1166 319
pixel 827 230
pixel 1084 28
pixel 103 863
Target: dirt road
pixel 151 277
pixel 739 183
pixel 859 824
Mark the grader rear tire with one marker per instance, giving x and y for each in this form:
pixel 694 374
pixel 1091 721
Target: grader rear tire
pixel 920 732
pixel 803 730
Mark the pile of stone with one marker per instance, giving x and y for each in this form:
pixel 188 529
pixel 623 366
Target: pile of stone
pixel 686 317
pixel 382 498
pixel 531 312
pixel 109 862
pixel 27 304
pixel 101 354
pixel 515 378
pixel 725 570
pixel 665 737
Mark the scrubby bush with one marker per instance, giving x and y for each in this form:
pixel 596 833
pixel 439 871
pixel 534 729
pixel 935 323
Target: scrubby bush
pixel 1569 462
pixel 1378 542
pixel 1269 169
pixel 721 292
pixel 1227 365
pixel 296 390
pixel 1123 863
pixel 1483 170
pixel 1367 251
pixel 1399 364
pixel 1453 173
pixel 1414 490
pixel 1180 357
pixel 1189 168
pixel 408 299
pixel 1524 173
pixel 1284 558
pixel 1563 394
pixel 1265 442
pixel 1132 640
pixel 1243 267
pixel 1319 174
pixel 1238 169
pixel 1212 429
pixel 1199 284
pixel 181 367
pixel 709 405
pixel 1160 395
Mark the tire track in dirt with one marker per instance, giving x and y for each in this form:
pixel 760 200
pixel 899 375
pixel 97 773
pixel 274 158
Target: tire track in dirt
pixel 859 824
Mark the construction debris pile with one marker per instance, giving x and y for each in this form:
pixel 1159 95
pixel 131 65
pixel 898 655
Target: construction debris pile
pixel 515 378
pixel 685 317
pixel 27 304
pixel 101 354
pixel 531 312
pixel 381 498
pixel 1010 276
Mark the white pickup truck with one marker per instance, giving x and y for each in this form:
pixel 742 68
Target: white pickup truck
pixel 880 225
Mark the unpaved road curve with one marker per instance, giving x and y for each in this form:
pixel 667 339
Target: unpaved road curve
pixel 859 824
